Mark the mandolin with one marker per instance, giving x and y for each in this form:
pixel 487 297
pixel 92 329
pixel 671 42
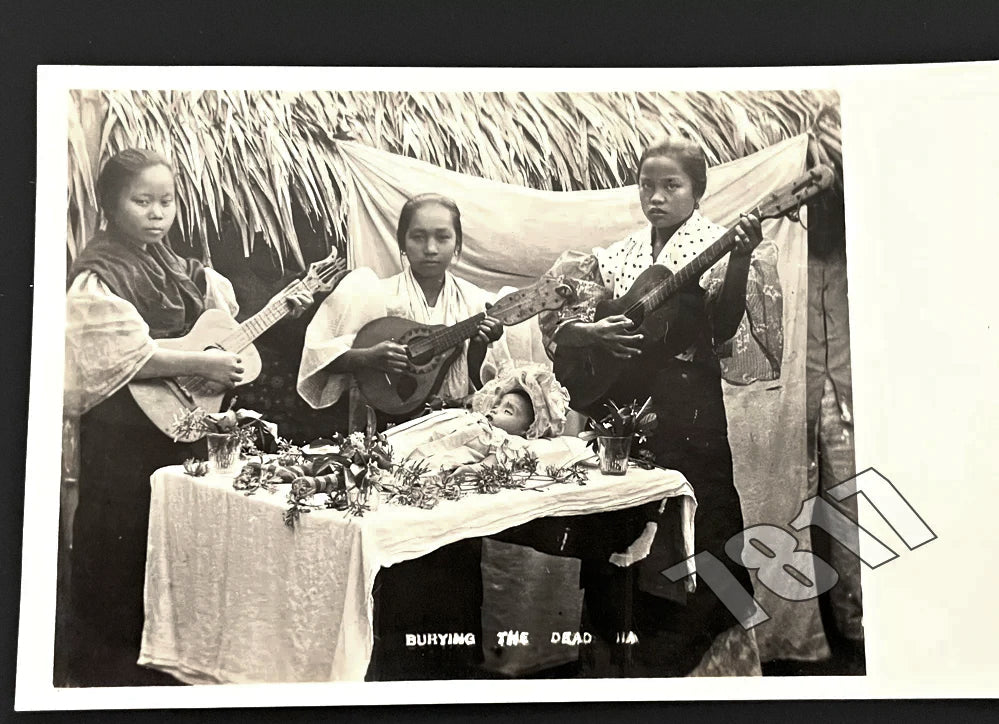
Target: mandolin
pixel 589 373
pixel 164 399
pixel 432 349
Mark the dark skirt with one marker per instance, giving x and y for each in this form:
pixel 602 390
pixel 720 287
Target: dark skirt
pixel 674 632
pixel 440 592
pixel 119 450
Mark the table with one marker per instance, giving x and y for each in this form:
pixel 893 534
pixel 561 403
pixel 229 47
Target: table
pixel 233 595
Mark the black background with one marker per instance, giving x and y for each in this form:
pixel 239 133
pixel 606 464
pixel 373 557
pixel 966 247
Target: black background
pixel 545 34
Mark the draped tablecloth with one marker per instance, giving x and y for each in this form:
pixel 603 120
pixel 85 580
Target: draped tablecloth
pixel 233 595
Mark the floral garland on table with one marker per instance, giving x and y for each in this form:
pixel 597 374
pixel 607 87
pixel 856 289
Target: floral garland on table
pixel 348 469
pixel 354 471
pixel 414 485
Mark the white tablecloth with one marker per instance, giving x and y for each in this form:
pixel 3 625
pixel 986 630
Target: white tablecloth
pixel 233 595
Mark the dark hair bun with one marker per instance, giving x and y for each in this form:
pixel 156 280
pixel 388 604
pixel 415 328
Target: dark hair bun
pixel 120 169
pixel 685 152
pixel 416 203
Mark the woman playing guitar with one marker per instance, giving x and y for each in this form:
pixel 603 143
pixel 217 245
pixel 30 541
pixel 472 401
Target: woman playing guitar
pixel 682 374
pixel 429 238
pixel 128 289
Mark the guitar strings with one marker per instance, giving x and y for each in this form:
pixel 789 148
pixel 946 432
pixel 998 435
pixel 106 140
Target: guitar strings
pixel 684 272
pixel 507 307
pixel 771 208
pixel 196 383
pixel 269 309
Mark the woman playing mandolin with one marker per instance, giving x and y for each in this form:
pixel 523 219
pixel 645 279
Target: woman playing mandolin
pixel 128 289
pixel 682 373
pixel 429 238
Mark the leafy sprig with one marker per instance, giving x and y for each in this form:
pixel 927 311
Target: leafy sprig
pixel 631 420
pixel 249 426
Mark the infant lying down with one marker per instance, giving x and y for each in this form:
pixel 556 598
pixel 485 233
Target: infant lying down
pixel 524 410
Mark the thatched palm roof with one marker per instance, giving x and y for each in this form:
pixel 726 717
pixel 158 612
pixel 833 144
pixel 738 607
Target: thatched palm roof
pixel 253 157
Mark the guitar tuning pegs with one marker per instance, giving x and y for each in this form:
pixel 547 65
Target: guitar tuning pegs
pixel 795 214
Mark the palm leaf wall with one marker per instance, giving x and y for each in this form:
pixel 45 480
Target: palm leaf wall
pixel 257 160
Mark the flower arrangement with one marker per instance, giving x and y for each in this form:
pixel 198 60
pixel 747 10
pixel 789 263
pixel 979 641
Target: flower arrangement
pixel 249 426
pixel 354 477
pixel 630 420
pixel 229 434
pixel 621 429
pixel 356 472
pixel 347 469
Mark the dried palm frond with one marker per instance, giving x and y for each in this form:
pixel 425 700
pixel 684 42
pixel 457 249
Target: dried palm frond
pixel 252 158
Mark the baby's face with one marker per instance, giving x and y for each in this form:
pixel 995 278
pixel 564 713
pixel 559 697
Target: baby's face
pixel 512 414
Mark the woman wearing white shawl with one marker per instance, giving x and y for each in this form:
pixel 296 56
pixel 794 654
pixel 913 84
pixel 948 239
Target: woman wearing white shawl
pixel 429 236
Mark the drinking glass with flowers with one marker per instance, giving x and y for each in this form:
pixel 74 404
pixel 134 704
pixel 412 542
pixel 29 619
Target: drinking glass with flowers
pixel 622 430
pixel 227 433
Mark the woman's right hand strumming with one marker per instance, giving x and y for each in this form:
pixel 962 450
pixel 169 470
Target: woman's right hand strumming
pixel 220 366
pixel 384 356
pixel 611 333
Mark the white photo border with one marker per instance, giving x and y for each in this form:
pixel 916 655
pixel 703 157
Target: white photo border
pixel 917 209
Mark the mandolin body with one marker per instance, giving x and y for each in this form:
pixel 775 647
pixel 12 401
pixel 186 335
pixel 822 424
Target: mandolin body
pixel 432 349
pixel 400 393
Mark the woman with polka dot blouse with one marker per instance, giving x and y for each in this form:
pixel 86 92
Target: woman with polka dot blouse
pixel 682 375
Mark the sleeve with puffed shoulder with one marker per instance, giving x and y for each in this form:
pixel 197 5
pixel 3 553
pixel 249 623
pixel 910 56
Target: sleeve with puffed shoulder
pixel 755 352
pixel 107 343
pixel 219 293
pixel 357 300
pixel 581 272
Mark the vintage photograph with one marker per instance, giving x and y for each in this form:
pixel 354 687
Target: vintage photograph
pixel 399 385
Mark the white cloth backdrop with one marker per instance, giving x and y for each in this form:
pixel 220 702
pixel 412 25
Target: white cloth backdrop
pixel 513 234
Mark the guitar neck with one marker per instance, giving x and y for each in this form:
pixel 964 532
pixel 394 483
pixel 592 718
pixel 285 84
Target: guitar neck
pixel 273 312
pixel 456 334
pixel 656 296
pixel 511 309
pixel 514 308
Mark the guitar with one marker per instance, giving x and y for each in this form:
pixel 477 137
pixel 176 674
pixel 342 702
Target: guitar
pixel 164 399
pixel 432 349
pixel 589 373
